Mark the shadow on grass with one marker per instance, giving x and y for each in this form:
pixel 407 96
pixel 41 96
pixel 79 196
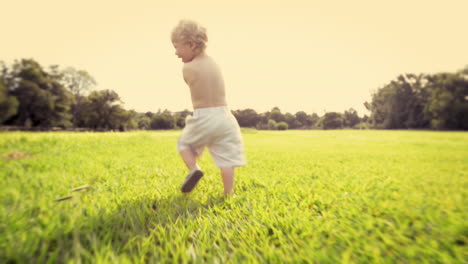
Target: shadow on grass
pixel 139 217
pixel 121 230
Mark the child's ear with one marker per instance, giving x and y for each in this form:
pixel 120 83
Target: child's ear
pixel 192 45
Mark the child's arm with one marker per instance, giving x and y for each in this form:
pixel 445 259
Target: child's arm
pixel 189 75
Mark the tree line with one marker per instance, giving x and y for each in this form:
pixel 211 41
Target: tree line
pixel 422 101
pixel 34 97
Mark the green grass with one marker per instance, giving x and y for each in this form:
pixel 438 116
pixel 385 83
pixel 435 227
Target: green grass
pixel 305 196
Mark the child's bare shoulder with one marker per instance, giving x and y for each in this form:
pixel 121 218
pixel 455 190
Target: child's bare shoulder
pixel 189 68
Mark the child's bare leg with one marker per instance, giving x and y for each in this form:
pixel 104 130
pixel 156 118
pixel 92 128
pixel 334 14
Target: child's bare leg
pixel 228 180
pixel 189 158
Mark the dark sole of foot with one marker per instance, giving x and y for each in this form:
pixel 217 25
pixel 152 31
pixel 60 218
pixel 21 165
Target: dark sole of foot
pixel 192 182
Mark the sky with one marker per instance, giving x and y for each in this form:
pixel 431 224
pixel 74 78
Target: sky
pixel 314 56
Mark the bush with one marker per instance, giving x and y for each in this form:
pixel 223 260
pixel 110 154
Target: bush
pixel 180 121
pixel 144 122
pixel 332 120
pixel 362 125
pixel 271 124
pixel 162 121
pixel 282 126
pixel 261 126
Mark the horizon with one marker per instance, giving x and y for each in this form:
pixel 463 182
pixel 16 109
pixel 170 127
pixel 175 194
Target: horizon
pixel 298 56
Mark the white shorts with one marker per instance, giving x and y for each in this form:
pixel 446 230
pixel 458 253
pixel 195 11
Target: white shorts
pixel 217 129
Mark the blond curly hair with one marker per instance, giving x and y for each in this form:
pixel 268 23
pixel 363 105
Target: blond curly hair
pixel 188 30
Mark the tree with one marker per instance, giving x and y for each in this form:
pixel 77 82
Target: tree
pixel 447 107
pixel 79 82
pixel 163 120
pixel 8 104
pixel 271 124
pixel 149 114
pixel 282 126
pixel 422 101
pixel 276 115
pixel 312 120
pixel 351 118
pixel 102 110
pixel 291 121
pixel 301 117
pixel 332 120
pixel 263 120
pixel 43 101
pixel 247 117
pixel 128 120
pixel 180 118
pixel 400 104
pixel 179 121
pixel 264 117
pixel 144 122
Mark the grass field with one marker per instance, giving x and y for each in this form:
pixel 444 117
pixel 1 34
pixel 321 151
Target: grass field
pixel 305 197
